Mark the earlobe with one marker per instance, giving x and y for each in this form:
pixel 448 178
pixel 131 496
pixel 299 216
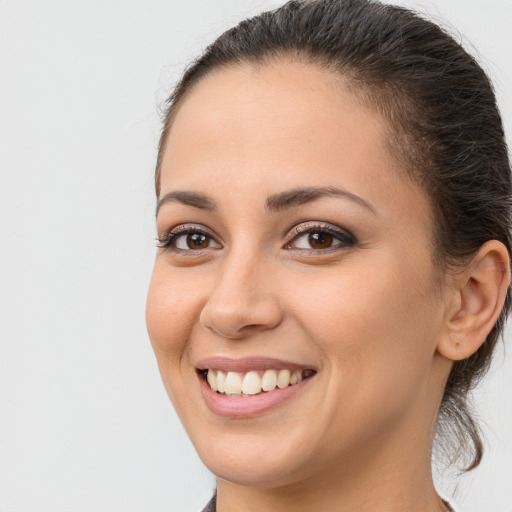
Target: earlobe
pixel 476 302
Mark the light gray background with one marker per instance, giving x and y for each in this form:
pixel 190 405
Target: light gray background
pixel 85 424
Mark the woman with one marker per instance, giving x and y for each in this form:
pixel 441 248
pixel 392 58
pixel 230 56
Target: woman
pixel 333 267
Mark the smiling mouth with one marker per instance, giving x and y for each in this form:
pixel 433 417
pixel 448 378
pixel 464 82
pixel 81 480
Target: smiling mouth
pixel 253 382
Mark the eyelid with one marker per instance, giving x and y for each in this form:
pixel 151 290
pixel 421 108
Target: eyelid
pixel 346 238
pixel 170 236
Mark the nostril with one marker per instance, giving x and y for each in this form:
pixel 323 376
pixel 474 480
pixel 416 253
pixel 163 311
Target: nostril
pixel 240 306
pixel 238 325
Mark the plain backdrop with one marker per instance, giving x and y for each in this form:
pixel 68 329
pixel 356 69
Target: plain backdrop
pixel 85 424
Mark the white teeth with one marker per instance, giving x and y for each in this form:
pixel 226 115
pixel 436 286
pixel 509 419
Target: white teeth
pixel 233 383
pixel 296 377
pixel 269 380
pixel 251 384
pixel 283 379
pixel 221 381
pixel 212 380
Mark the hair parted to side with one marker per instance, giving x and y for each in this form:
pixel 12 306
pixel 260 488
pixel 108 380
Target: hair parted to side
pixel 444 129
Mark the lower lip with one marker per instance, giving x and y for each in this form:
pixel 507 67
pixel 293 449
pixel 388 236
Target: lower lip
pixel 242 407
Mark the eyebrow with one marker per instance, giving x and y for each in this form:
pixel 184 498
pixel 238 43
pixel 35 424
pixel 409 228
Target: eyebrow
pixel 274 202
pixel 194 199
pixel 300 196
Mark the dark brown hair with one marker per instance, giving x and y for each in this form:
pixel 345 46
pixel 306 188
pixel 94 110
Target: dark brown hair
pixel 444 128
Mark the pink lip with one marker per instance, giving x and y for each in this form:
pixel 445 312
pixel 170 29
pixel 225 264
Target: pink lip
pixel 245 407
pixel 249 363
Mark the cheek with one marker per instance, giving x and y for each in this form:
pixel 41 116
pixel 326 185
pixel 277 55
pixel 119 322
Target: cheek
pixel 170 315
pixel 377 327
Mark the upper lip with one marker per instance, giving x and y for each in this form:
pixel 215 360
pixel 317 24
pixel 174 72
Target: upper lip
pixel 249 363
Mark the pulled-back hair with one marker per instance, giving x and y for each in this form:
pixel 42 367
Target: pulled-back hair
pixel 444 129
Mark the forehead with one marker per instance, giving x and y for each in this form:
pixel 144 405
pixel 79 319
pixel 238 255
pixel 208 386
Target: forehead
pixel 270 107
pixel 281 125
pixel 262 92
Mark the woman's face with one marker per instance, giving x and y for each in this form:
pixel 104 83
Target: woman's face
pixel 290 241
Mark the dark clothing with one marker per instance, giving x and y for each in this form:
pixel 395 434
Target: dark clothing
pixel 211 507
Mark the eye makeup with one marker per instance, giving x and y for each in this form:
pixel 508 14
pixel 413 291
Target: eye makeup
pixel 188 238
pixel 318 236
pixel 311 237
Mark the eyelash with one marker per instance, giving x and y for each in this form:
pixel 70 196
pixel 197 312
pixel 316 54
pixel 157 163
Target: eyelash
pixel 168 242
pixel 345 238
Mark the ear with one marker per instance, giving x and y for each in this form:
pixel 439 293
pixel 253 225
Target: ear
pixel 476 301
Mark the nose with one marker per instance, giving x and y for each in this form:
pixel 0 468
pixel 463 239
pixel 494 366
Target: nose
pixel 243 301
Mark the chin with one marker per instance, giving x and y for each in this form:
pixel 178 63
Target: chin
pixel 253 463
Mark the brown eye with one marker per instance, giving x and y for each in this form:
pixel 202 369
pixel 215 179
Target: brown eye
pixel 194 241
pixel 188 239
pixel 197 241
pixel 320 240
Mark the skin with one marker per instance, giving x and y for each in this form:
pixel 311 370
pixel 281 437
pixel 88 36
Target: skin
pixel 374 317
